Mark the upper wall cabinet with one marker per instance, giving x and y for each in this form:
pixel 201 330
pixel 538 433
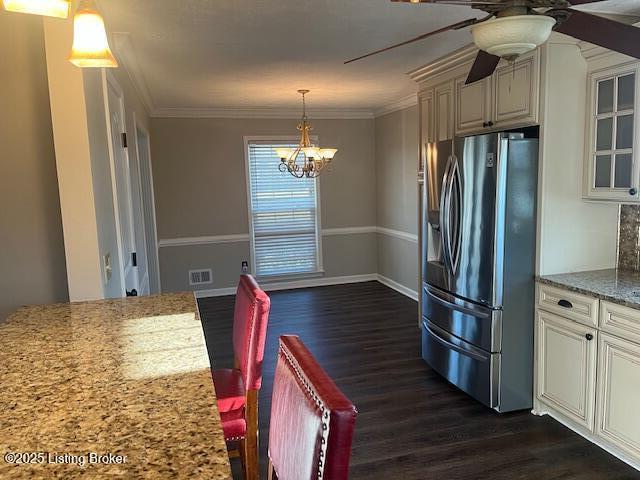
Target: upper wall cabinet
pixel 612 141
pixel 443 111
pixel 515 92
pixel 507 99
pixel 473 105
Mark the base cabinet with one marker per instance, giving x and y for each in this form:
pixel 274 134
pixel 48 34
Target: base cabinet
pixel 588 368
pixel 618 416
pixel 567 367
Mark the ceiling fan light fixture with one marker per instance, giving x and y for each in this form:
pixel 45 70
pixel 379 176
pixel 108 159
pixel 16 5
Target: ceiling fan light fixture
pixel 511 36
pixel 90 44
pixel 48 8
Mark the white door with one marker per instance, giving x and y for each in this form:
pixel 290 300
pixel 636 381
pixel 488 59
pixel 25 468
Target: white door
pixel 122 186
pixel 148 211
pixel 566 357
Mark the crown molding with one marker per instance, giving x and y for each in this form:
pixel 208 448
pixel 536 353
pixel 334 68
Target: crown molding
pixel 126 54
pixel 444 63
pixel 284 113
pixel 406 102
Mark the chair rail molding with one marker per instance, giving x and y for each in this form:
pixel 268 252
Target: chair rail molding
pixel 410 237
pixel 244 237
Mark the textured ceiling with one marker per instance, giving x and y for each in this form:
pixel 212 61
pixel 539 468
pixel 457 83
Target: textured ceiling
pixel 201 54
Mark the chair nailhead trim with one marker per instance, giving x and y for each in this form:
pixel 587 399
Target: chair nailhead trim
pixel 325 411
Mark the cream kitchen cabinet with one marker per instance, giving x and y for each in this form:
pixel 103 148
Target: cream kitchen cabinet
pixel 566 359
pixel 515 92
pixel 612 141
pixel 507 99
pixel 618 419
pixel 473 105
pixel 443 111
pixel 587 368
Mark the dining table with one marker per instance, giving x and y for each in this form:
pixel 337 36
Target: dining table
pixel 118 388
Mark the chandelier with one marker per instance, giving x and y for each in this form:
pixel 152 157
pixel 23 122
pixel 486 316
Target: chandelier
pixel 315 159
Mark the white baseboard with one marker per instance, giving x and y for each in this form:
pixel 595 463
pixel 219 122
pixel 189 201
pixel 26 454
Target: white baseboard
pixel 398 287
pixel 316 282
pixel 580 430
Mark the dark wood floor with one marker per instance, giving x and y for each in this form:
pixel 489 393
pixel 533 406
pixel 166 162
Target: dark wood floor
pixel 411 423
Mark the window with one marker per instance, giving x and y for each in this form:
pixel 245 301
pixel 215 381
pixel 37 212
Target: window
pixel 614 132
pixel 283 212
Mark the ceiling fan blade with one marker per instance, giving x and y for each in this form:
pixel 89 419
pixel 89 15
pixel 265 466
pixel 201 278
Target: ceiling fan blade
pixel 455 26
pixel 483 66
pixel 582 2
pixel 469 3
pixel 601 31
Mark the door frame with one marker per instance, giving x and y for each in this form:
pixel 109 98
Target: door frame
pixel 109 81
pixel 138 127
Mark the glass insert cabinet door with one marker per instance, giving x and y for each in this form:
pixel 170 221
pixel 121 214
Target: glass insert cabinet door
pixel 612 135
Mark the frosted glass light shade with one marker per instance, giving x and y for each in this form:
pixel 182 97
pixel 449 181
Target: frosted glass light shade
pixel 48 8
pixel 284 152
pixel 512 36
pixel 311 152
pixel 90 44
pixel 328 153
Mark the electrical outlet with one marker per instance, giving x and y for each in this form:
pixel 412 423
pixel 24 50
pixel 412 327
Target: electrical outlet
pixel 245 267
pixel 108 269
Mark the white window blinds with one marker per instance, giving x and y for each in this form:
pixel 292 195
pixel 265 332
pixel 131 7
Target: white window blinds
pixel 283 214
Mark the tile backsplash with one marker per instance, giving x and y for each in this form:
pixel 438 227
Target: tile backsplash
pixel 629 237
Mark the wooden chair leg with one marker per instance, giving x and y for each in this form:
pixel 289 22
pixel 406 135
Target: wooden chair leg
pixel 270 471
pixel 241 454
pixel 250 456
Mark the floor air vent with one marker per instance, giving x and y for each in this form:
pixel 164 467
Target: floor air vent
pixel 200 277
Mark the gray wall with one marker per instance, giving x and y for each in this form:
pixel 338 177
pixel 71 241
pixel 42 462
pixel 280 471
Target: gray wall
pixel 396 151
pixel 200 189
pixel 32 260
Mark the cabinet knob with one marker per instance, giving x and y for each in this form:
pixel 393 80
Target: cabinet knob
pixel 489 123
pixel 589 337
pixel 633 191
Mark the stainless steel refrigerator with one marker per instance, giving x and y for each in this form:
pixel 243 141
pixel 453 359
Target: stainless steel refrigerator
pixel 478 251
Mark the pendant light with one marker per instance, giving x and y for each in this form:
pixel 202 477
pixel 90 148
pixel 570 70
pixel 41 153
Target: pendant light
pixel 90 45
pixel 48 8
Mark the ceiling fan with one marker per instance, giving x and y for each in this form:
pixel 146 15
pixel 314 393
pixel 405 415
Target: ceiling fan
pixel 513 27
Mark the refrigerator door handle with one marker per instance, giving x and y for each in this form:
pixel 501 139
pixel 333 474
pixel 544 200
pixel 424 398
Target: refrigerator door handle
pixel 478 312
pixel 447 340
pixel 453 212
pixel 444 214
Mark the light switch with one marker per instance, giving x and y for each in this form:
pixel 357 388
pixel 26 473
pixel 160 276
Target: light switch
pixel 108 270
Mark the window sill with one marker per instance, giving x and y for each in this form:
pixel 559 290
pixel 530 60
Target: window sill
pixel 290 277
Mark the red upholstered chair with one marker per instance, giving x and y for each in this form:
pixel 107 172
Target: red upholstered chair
pixel 312 422
pixel 237 388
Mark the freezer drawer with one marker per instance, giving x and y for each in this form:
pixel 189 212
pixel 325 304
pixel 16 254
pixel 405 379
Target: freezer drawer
pixel 471 369
pixel 471 322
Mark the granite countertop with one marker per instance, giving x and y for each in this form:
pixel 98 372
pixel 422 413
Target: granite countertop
pixel 128 377
pixel 614 285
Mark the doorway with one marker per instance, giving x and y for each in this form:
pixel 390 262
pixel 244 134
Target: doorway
pixel 147 199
